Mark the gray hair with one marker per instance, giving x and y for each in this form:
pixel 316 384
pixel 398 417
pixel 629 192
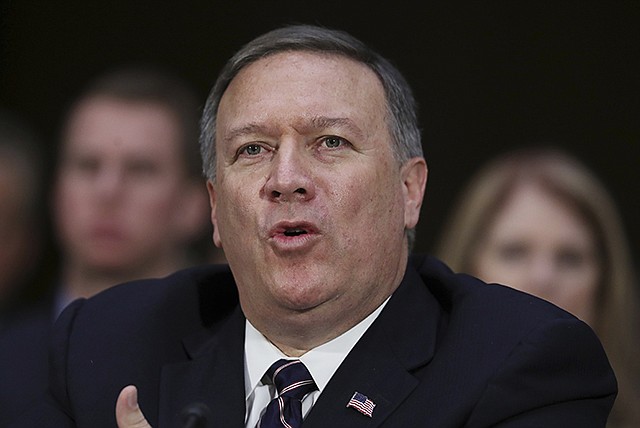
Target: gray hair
pixel 401 106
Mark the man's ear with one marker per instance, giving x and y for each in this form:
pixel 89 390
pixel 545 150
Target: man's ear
pixel 214 217
pixel 414 179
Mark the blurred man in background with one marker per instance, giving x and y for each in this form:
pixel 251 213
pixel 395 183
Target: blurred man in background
pixel 128 197
pixel 128 201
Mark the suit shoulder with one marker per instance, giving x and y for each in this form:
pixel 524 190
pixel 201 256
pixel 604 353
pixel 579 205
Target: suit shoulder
pixel 464 295
pixel 187 294
pixel 507 354
pixel 499 319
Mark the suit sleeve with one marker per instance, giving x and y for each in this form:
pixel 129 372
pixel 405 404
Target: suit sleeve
pixel 54 409
pixel 558 376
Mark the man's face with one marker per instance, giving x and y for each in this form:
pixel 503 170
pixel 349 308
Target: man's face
pixel 118 194
pixel 309 203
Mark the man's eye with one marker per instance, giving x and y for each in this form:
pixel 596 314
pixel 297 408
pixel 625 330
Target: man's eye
pixel 251 149
pixel 141 168
pixel 85 165
pixel 333 142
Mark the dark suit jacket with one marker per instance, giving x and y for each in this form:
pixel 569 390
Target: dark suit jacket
pixel 446 351
pixel 23 359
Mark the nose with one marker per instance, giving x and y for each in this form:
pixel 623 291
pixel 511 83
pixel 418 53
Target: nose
pixel 542 274
pixel 108 182
pixel 290 176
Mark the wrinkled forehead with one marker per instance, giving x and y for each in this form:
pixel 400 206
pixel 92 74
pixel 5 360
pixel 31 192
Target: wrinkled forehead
pixel 317 84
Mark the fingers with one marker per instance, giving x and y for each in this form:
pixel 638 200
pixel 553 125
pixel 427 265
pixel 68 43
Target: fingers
pixel 128 413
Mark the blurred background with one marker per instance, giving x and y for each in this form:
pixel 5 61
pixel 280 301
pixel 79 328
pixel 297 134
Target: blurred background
pixel 488 76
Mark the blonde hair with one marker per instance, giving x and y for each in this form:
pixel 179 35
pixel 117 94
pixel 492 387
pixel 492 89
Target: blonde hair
pixel 617 307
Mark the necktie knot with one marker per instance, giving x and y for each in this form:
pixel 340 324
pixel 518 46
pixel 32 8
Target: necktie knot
pixel 292 381
pixel 291 378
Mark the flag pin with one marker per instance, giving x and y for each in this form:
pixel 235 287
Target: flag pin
pixel 361 403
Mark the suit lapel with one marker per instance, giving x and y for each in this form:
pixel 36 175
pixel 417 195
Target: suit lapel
pixel 380 366
pixel 214 376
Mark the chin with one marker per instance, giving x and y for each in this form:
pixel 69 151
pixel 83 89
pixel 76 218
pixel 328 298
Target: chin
pixel 302 296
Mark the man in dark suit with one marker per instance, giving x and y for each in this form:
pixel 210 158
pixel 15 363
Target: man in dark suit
pixel 316 178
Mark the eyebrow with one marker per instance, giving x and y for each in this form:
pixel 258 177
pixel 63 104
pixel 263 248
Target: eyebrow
pixel 249 129
pixel 316 122
pixel 323 122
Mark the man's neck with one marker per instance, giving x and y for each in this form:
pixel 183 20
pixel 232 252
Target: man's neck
pixel 299 333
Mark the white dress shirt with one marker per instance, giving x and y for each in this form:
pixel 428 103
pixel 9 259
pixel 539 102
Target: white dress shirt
pixel 322 362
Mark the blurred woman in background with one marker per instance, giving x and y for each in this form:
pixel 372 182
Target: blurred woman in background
pixel 541 222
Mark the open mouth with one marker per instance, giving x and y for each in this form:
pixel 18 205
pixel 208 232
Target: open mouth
pixel 296 231
pixel 296 236
pixel 293 229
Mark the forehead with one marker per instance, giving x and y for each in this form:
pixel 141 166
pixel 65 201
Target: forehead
pixel 303 83
pixel 533 209
pixel 108 124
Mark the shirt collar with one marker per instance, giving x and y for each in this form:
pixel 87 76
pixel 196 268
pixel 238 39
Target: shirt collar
pixel 322 361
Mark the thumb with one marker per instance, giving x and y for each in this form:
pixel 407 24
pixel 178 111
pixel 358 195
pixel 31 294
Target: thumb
pixel 128 413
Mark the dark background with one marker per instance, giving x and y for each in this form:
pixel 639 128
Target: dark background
pixel 488 76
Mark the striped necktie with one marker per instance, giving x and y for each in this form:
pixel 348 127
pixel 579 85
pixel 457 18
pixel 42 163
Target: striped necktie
pixel 293 381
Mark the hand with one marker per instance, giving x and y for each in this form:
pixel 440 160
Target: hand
pixel 128 413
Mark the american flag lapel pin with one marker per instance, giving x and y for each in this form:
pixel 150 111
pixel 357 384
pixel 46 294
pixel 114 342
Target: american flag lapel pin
pixel 361 403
